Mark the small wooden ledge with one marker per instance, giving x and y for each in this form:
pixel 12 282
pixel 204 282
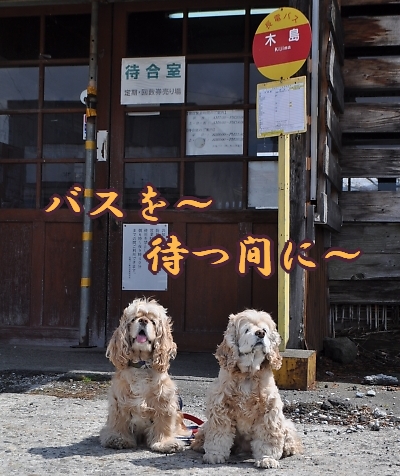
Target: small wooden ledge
pixel 298 371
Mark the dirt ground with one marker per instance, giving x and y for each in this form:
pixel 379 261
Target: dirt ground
pixel 50 423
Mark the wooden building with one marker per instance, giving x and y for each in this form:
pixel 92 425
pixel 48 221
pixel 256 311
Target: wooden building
pixel 44 58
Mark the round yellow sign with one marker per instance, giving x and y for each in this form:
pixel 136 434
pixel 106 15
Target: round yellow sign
pixel 282 43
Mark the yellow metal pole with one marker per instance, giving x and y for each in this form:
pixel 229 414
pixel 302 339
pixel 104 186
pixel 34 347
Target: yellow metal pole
pixel 283 235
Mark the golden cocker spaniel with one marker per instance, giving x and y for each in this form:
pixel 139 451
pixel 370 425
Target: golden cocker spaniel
pixel 244 408
pixel 143 401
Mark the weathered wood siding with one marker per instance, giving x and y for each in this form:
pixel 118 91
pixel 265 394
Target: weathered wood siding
pixel 378 162
pixel 371 149
pixel 326 211
pixel 331 104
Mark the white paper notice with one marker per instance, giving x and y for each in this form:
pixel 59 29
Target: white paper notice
pixel 214 132
pixel 281 107
pixel 135 269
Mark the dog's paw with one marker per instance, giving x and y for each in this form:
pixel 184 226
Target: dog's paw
pixel 267 462
pixel 212 458
pixel 118 443
pixel 198 443
pixel 170 446
pixel 292 447
pixel 197 446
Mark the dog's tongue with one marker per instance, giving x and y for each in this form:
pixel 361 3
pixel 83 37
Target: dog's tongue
pixel 141 338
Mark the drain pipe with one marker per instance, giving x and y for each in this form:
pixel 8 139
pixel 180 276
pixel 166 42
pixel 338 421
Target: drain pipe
pixel 90 149
pixel 314 99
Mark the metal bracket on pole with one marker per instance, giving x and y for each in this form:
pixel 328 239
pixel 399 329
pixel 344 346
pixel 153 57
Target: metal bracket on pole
pixel 283 235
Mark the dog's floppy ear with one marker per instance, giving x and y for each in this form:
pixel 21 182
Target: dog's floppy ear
pixel 274 357
pixel 227 352
pixel 164 345
pixel 118 349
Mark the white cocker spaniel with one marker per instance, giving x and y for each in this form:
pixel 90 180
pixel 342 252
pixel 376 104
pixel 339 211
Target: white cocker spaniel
pixel 143 400
pixel 244 408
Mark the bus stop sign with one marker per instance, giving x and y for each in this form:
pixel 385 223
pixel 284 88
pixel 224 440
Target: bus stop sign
pixel 282 43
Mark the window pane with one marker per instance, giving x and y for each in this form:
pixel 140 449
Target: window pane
pixel 267 146
pixel 209 33
pixel 214 132
pixel 18 136
pixel 63 85
pixel 215 83
pixel 220 180
pixel 19 38
pixel 356 184
pixel 59 178
pixel 67 36
pixel 152 135
pixel 19 88
pixel 263 185
pixel 154 34
pixel 163 176
pixel 17 185
pixel 63 136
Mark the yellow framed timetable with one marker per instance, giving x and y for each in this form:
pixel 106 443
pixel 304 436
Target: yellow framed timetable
pixel 281 107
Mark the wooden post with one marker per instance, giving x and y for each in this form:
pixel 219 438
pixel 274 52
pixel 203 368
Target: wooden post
pixel 283 236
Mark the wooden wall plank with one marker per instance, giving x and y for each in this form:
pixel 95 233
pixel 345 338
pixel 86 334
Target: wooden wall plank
pixel 371 31
pixel 368 266
pixel 372 73
pixel 332 169
pixel 335 77
pixel 383 238
pixel 366 118
pixel 355 162
pixel 316 324
pixel 263 291
pixel 15 273
pixel 62 274
pixel 336 28
pixel 364 291
pixel 203 310
pixel 329 213
pixel 37 273
pixel 333 125
pixel 370 206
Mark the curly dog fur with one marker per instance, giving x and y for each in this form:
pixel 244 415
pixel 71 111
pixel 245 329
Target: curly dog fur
pixel 143 402
pixel 244 408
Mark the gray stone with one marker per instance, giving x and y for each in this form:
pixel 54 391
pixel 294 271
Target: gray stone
pixel 341 403
pixel 340 349
pixel 326 406
pixel 374 426
pixel 381 379
pixel 378 413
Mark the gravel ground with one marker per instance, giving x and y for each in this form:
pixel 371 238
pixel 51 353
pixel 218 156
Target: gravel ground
pixel 50 425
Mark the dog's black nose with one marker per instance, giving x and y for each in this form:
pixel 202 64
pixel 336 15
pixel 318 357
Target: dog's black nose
pixel 260 334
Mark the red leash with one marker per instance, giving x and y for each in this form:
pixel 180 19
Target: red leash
pixel 192 428
pixel 193 419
